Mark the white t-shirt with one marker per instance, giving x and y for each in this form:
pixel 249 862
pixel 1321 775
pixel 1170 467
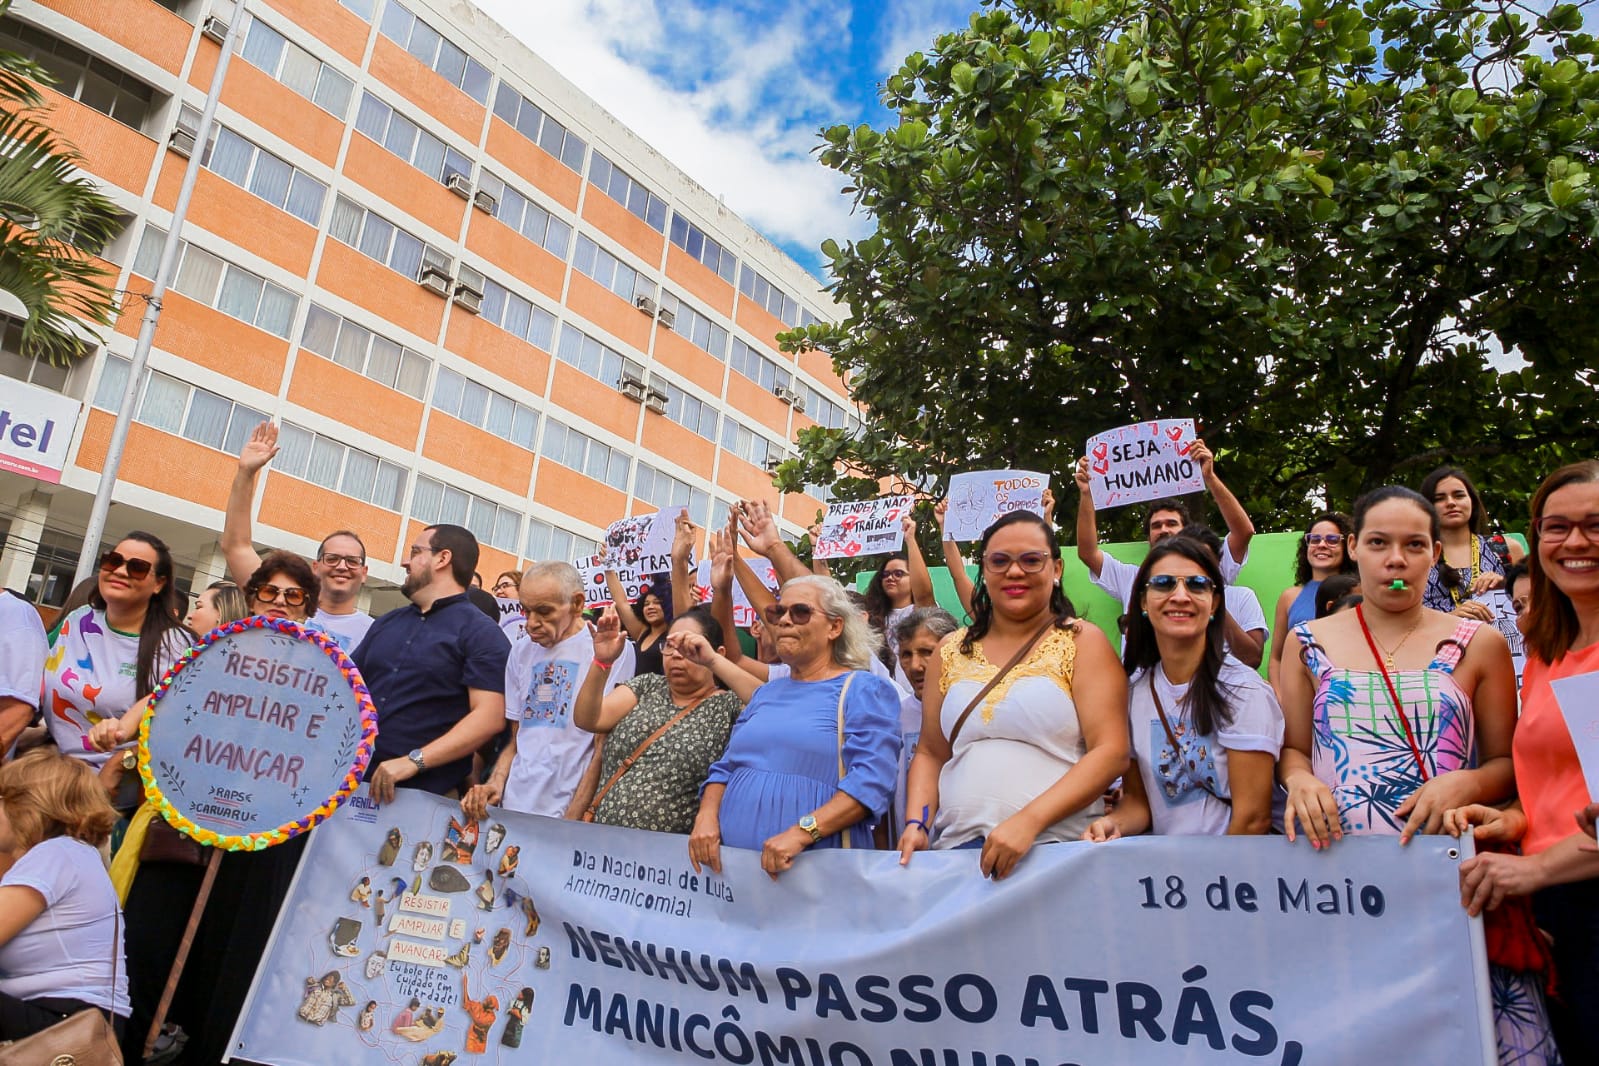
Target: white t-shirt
pixel 23 647
pixel 1178 803
pixel 66 952
pixel 541 685
pixel 348 629
pixel 1116 577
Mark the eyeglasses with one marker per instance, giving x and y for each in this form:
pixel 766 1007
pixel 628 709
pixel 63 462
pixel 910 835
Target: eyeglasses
pixel 799 613
pixel 1030 562
pixel 138 569
pixel 1166 584
pixel 332 561
pixel 418 549
pixel 293 596
pixel 504 586
pixel 1557 527
pixel 896 575
pixel 1332 540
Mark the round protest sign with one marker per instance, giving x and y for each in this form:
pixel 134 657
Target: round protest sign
pixel 256 735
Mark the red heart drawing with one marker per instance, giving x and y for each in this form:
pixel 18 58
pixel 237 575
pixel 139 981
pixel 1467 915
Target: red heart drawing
pixel 1102 467
pixel 1175 433
pixel 849 522
pixel 1186 448
pixel 852 548
pixel 1101 450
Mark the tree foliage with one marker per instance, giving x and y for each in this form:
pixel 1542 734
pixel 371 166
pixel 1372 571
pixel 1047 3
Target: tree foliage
pixel 1315 227
pixel 52 220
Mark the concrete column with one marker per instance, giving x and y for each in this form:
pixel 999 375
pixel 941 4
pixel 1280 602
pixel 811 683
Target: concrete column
pixel 211 566
pixel 22 544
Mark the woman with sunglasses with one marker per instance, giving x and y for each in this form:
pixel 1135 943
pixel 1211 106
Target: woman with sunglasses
pixel 1396 713
pixel 1552 820
pixel 107 655
pixel 1323 552
pixel 1206 729
pixel 812 759
pixel 1468 566
pixel 1024 722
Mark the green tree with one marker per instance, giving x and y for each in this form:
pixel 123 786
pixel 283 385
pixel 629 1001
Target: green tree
pixel 1315 227
pixel 52 220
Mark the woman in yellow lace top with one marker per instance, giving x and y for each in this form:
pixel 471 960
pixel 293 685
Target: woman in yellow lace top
pixel 1033 756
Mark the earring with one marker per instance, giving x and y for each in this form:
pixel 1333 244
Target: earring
pixel 1144 613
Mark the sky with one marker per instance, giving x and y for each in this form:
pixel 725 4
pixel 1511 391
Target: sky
pixel 734 91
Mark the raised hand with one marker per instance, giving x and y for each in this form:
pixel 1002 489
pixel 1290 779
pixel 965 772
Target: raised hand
pixel 609 640
pixel 684 535
pixel 1049 506
pixel 259 449
pixel 721 550
pixel 1201 454
pixel 694 647
pixel 1080 475
pixel 907 526
pixel 758 526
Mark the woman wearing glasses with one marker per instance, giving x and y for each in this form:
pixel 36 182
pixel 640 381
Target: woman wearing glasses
pixel 900 585
pixel 1323 552
pixel 1024 722
pixel 107 655
pixel 812 759
pixel 1206 729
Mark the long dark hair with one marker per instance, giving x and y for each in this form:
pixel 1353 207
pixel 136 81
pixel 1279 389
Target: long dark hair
pixel 1302 571
pixel 983 606
pixel 1552 622
pixel 1207 702
pixel 877 605
pixel 161 615
pixel 1478 523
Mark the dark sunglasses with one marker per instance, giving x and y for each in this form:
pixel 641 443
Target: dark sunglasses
pixel 1030 562
pixel 1332 540
pixel 1166 584
pixel 799 613
pixel 138 569
pixel 270 594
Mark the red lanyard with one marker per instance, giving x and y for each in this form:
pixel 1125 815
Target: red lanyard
pixel 1399 709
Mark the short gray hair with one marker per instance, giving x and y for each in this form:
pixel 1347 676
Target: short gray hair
pixel 858 642
pixel 935 620
pixel 565 575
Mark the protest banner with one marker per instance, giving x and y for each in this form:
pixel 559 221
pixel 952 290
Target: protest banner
pixel 977 499
pixel 557 941
pixel 1498 601
pixel 1579 704
pixel 1143 461
pixel 863 527
pixel 743 613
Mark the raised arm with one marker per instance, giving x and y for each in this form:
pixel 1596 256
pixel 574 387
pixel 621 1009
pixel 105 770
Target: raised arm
pixel 1240 529
pixel 1087 524
pixel 594 709
pixel 684 535
pixel 722 549
pixel 921 580
pixel 631 622
pixel 760 533
pixel 237 546
pixel 819 567
pixel 697 650
pixel 954 560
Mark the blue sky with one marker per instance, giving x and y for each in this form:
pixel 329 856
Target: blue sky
pixel 734 91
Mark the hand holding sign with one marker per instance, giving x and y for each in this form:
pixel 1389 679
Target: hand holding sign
pixel 1144 461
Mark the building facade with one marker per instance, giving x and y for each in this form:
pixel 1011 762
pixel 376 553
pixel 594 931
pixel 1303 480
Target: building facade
pixel 464 291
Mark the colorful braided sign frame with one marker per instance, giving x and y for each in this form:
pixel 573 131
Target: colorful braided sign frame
pixel 256 734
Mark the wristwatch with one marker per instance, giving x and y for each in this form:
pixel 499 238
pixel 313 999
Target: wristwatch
pixel 415 756
pixel 808 823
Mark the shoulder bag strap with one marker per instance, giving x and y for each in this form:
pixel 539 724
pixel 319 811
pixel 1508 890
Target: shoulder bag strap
pixel 849 679
pixel 1177 749
pixel 1393 693
pixel 1021 653
pixel 627 763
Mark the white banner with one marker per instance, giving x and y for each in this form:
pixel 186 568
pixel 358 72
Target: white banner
pixel 635 571
pixel 560 942
pixel 978 499
pixel 864 527
pixel 1578 697
pixel 1144 461
pixel 36 427
pixel 743 613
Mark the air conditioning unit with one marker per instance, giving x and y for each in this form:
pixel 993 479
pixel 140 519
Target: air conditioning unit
pixel 645 304
pixel 215 28
pixel 799 404
pixel 633 390
pixel 633 375
pixel 434 279
pixel 468 299
pixel 666 318
pixel 484 202
pixel 655 400
pixel 459 184
pixel 772 462
pixel 182 142
pixel 786 394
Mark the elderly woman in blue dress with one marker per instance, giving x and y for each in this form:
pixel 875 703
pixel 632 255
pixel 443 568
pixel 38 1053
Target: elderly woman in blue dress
pixel 812 759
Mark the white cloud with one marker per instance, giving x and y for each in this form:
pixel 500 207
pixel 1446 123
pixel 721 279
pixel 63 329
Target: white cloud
pixel 913 27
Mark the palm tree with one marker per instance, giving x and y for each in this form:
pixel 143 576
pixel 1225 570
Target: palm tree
pixel 52 222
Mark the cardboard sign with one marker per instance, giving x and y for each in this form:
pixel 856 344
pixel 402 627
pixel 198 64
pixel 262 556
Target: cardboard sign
pixel 1141 462
pixel 256 734
pixel 1498 601
pixel 743 613
pixel 865 527
pixel 634 576
pixel 978 499
pixel 1579 703
pixel 36 428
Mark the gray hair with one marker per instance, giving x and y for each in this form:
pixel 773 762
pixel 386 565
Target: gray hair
pixel 858 643
pixel 935 620
pixel 565 575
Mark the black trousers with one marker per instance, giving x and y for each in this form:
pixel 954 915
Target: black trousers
pixel 24 1017
pixel 1570 914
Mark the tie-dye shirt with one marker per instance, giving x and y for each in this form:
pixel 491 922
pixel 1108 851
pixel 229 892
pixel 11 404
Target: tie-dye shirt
pixel 90 675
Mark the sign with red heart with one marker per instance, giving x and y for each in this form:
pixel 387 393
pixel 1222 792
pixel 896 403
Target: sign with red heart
pixel 863 527
pixel 1144 461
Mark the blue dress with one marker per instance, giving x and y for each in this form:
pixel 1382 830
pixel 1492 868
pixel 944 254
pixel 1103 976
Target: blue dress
pixel 1303 609
pixel 782 761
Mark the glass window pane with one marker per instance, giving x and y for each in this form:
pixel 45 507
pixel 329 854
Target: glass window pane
pixel 376 236
pixel 550 137
pixel 528 121
pixel 384 361
pixel 277 310
pixel 447 391
pixel 474 401
pixel 524 428
pixel 326 459
pixel 425 502
pixel 300 71
pixel 396 23
pixel 271 179
pixel 113 381
pixel 353 341
pixel 240 424
pixel 518 313
pixel 429 156
pixel 407 255
pixel 558 237
pixel 208 419
pixel 424 43
pixel 263 47
pixel 149 254
pixel 373 118
pixel 199 275
pixel 451 63
pixel 305 198
pixel 572 152
pixel 507 524
pixel 294 450
pixel 346 222
pixel 455 162
pixel 401 136
pixel 360 471
pixel 453 507
pixel 413 377
pixel 541 331
pixel 164 399
pixel 476 81
pixel 241 295
pixel 501 416
pixel 230 158
pixel 506 102
pixel 389 489
pixel 333 92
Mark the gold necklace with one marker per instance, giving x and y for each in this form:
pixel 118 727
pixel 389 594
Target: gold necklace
pixel 1388 655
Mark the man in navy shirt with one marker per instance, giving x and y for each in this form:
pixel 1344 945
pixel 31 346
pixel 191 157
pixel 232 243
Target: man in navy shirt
pixel 436 670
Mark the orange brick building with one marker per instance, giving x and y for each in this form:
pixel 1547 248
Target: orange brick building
pixel 466 292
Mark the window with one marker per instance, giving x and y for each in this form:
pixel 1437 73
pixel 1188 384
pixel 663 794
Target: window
pixel 547 543
pixel 822 410
pixel 32 369
pixel 82 77
pixel 583 453
pixel 476 405
pixel 689 411
pixel 593 358
pixel 664 490
pixel 406 139
pixel 435 51
pixel 610 271
pixel 359 349
pixel 217 283
pixel 377 238
pixel 625 190
pixel 757 367
pixel 527 217
pixel 339 468
pixel 779 303
pixel 360 7
pixel 165 403
pixel 438 504
pixel 282 59
pixel 518 316
pixel 694 327
pixel 252 167
pixel 531 122
pixel 693 240
pixel 747 444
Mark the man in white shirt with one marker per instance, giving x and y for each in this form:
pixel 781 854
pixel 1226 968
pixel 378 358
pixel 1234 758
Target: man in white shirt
pixel 23 647
pixel 549 766
pixel 340 563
